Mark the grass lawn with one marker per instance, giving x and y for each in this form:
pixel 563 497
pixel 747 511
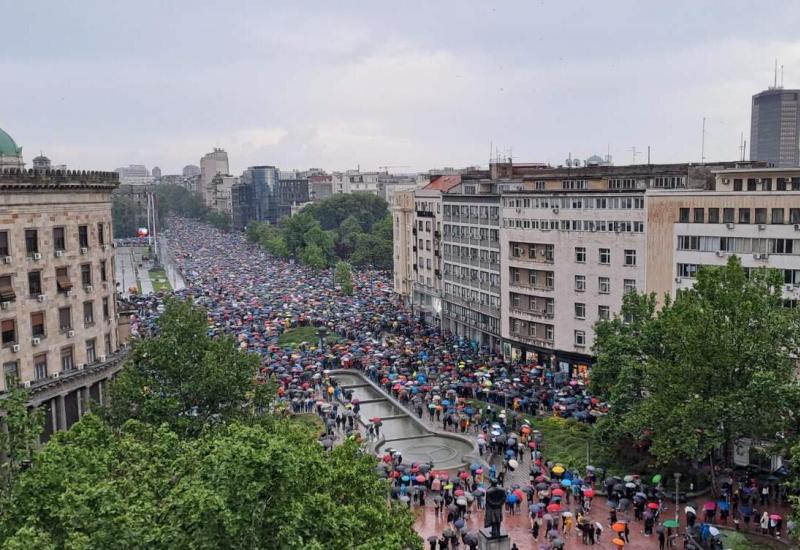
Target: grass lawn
pixel 299 335
pixel 737 541
pixel 160 281
pixel 566 440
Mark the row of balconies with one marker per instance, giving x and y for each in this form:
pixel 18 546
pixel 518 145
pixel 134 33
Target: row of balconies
pixel 37 256
pixel 9 304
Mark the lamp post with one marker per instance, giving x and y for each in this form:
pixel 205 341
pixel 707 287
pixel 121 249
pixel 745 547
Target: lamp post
pixel 677 493
pixel 322 332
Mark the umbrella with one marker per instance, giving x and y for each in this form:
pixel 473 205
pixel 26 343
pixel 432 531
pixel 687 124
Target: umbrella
pixel 558 470
pixel 558 492
pixel 710 505
pixel 513 463
pixel 618 527
pixel 588 492
pixel 627 479
pixel 630 485
pixel 671 523
pixel 554 507
pixel 566 514
pixel 776 517
pixel 618 542
pixel 566 482
pixel 653 505
pixel 713 531
pixel 690 510
pixel 421 478
pixel 656 479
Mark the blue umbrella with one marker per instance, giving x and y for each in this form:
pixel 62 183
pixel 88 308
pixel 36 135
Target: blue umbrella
pixel 723 505
pixel 445 402
pixel 566 482
pixel 474 466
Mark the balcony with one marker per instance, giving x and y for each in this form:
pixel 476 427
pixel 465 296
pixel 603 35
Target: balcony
pixel 539 259
pixel 532 340
pixel 527 288
pixel 533 313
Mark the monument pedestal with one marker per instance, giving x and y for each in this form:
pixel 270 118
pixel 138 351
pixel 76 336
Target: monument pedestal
pixel 485 542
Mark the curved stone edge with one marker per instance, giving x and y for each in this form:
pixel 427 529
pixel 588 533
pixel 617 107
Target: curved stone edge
pixel 473 457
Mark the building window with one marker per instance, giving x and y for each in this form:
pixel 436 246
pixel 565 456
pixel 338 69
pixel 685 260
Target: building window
pixel 630 257
pixel 713 215
pixel 580 310
pixel 88 313
pixel 550 280
pixel 83 236
pixel 737 184
pixel 777 215
pixel 107 340
pixel 91 356
pixel 37 324
pixel 605 256
pixel 603 313
pixel 103 273
pixel 11 374
pixel 532 330
pixel 699 215
pixel 7 293
pixel 688 271
pixel 629 285
pixel 683 215
pixel 532 278
pixel 580 338
pixel 781 246
pixel 727 215
pixel 580 283
pixel 580 254
pixel 4 243
pixel 744 215
pixel 67 360
pixel 761 215
pixel 40 366
pixel 34 283
pixel 604 285
pixel 106 312
pixel 794 215
pixel 65 318
pixel 8 327
pixel 751 184
pixel 688 242
pixel 101 235
pixel 62 280
pixel 59 239
pixel 31 242
pixel 549 333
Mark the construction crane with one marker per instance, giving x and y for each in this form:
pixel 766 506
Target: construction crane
pixel 386 168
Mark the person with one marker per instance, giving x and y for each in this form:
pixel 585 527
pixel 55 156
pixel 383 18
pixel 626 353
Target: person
pixel 764 522
pixel 662 539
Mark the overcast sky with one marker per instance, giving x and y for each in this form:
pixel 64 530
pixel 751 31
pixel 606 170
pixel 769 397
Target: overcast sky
pixel 417 85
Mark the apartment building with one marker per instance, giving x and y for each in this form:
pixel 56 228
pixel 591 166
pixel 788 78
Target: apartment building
pixel 57 289
pixel 402 210
pixel 753 213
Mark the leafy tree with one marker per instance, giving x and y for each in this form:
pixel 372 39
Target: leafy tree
pixel 333 211
pixel 343 277
pixel 313 256
pixel 127 217
pixel 372 251
pixel 295 229
pixel 705 370
pixel 348 231
pixel 219 220
pixel 184 378
pixel 19 440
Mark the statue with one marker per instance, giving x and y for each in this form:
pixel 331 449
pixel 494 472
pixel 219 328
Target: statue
pixel 495 500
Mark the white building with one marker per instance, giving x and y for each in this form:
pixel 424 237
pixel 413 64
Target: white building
pixel 212 164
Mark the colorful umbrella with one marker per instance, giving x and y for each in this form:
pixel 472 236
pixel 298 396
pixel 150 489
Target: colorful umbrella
pixel 618 542
pixel 671 523
pixel 618 527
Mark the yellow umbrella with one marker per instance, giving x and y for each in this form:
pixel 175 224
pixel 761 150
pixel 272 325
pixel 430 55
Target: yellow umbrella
pixel 558 470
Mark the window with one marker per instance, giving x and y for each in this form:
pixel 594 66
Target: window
pixel 548 333
pixel 605 256
pixel 4 245
pixel 761 215
pixel 83 236
pixel 688 271
pixel 550 280
pixel 580 310
pixel 744 215
pixel 65 318
pixel 777 215
pixel 688 242
pixel 603 313
pixel 580 283
pixel 31 242
pixel 7 293
pixel 580 254
pixel 34 283
pixel 629 285
pixel 8 327
pixel 103 274
pixel 107 341
pixel 699 215
pixel 737 184
pixel 90 351
pixel 604 285
pixel 62 279
pixel 106 312
pixel 630 257
pixel 37 324
pixel 40 366
pixel 88 313
pixel 683 215
pixel 532 330
pixel 713 215
pixel 751 184
pixel 781 246
pixel 727 215
pixel 580 338
pixel 11 374
pixel 59 240
pixel 794 215
pixel 67 361
pixel 532 278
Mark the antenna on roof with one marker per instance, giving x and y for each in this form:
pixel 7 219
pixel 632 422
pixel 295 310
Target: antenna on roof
pixel 775 77
pixel 781 76
pixel 703 144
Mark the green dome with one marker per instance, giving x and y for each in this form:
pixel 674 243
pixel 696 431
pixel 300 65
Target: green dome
pixel 8 146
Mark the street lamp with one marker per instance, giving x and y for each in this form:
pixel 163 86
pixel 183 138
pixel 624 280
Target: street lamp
pixel 677 493
pixel 322 332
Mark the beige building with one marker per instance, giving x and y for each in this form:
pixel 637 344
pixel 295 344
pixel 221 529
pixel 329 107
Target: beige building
pixel 211 165
pixel 402 211
pixel 57 289
pixel 753 213
pixel 221 186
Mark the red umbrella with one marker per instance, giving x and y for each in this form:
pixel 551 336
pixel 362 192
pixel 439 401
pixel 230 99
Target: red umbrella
pixel 588 492
pixel 375 419
pixel 459 492
pixel 539 479
pixel 653 505
pixel 421 479
pixel 554 507
pixel 710 505
pixel 558 492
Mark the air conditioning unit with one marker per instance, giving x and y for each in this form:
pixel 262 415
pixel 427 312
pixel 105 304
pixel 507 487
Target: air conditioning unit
pixel 81 366
pixel 69 293
pixel 8 259
pixel 37 256
pixel 70 333
pixel 15 348
pixel 36 341
pixel 729 225
pixel 797 227
pixel 84 250
pixel 4 305
pixel 88 288
pixel 40 297
pixel 761 227
pixel 59 253
pixel 789 287
pixel 720 253
pixel 55 375
pixel 678 279
pixel 26 384
pixel 555 210
pixel 102 358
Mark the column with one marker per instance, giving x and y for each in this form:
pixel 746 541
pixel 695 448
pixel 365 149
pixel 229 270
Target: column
pixel 62 413
pixel 53 415
pixel 85 399
pixel 78 400
pixel 100 384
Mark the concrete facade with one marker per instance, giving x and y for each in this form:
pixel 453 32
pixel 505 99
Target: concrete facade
pixel 212 164
pixel 426 256
pixel 402 212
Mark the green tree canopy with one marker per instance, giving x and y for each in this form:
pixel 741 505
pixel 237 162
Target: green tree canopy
pixel 366 208
pixel 343 277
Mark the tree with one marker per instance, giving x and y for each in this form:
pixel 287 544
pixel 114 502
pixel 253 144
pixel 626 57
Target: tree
pixel 313 257
pixel 710 365
pixel 343 277
pixel 333 211
pixel 19 440
pixel 295 229
pixel 348 232
pixel 220 220
pixel 372 251
pixel 184 378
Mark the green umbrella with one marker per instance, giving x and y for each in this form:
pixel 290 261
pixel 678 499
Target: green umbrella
pixel 671 523
pixel 656 478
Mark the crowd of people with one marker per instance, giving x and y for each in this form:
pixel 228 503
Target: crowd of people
pixel 257 298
